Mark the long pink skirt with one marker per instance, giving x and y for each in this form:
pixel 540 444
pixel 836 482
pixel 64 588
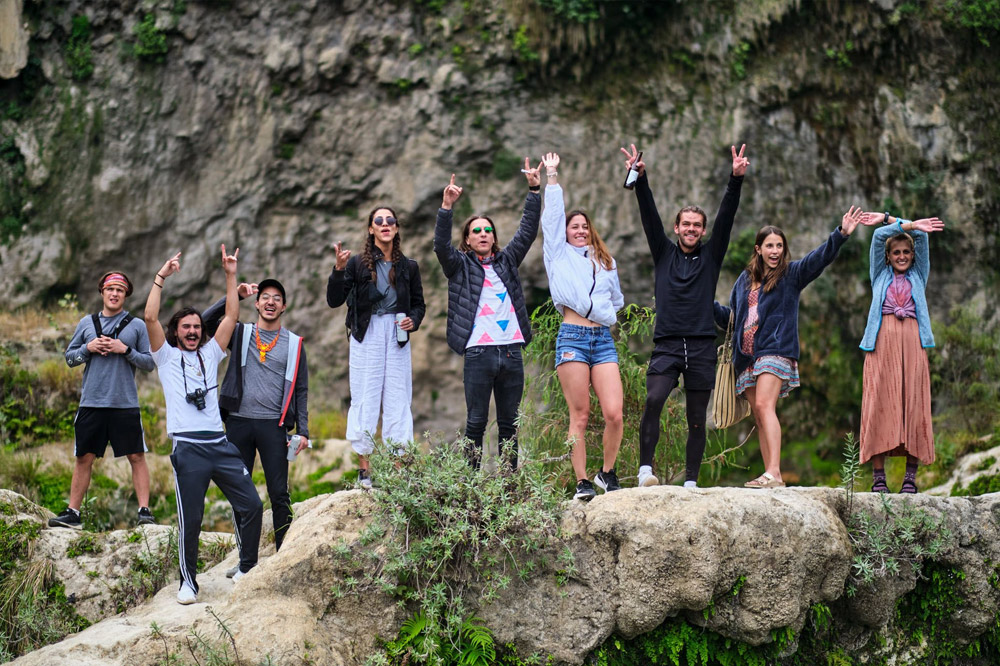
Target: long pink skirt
pixel 896 399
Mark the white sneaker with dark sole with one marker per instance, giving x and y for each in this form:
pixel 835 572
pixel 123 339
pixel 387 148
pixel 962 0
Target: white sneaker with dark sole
pixel 238 575
pixel 232 572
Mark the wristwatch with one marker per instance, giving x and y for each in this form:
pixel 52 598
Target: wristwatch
pixel 885 220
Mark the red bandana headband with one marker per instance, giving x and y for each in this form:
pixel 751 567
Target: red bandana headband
pixel 115 279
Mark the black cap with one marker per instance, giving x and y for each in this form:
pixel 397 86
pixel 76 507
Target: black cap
pixel 271 282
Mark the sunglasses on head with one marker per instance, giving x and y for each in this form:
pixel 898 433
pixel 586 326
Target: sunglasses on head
pixel 476 230
pixel 384 221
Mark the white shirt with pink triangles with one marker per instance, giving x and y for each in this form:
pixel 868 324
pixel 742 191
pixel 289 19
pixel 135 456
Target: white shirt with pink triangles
pixel 496 320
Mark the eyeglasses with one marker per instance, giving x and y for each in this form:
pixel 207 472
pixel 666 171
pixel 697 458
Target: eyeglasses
pixel 384 221
pixel 476 230
pixel 276 298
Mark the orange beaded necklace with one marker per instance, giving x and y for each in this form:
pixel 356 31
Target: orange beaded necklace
pixel 261 347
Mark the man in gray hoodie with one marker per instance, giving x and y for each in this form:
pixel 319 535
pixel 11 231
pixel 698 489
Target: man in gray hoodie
pixel 110 345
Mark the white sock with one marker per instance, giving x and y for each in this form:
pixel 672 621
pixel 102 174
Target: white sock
pixel 645 469
pixel 690 484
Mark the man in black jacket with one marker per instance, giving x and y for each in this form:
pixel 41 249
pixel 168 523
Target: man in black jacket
pixel 487 318
pixel 686 275
pixel 264 395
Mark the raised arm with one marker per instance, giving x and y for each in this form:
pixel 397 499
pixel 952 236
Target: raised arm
pixel 527 230
pixel 891 226
pixel 554 211
pixel 151 315
pixel 652 225
pixel 212 315
pixel 722 229
pixel 340 284
pixel 811 266
pixel 449 258
pixel 228 324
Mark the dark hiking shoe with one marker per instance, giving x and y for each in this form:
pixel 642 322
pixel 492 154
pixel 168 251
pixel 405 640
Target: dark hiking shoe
pixel 584 490
pixel 607 481
pixel 68 518
pixel 146 516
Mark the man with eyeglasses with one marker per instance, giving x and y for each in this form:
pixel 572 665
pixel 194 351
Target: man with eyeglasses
pixel 264 396
pixel 487 318
pixel 188 365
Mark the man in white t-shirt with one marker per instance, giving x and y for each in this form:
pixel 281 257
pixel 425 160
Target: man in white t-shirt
pixel 188 366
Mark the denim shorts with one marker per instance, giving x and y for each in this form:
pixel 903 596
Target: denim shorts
pixel 592 345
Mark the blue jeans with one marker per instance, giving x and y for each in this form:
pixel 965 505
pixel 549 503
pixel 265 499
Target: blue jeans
pixel 592 345
pixel 496 370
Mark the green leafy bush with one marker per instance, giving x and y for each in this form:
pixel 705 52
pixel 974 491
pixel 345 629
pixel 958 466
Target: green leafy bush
pixel 78 55
pixel 449 538
pixel 150 42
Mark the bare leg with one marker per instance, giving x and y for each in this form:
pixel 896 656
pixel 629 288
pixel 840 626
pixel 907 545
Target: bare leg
pixel 607 380
pixel 878 461
pixel 363 462
pixel 140 477
pixel 574 377
pixel 81 480
pixel 765 400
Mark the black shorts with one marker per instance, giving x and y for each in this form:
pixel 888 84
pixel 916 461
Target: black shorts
pixel 694 358
pixel 96 426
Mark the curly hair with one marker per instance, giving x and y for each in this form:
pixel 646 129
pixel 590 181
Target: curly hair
pixel 368 253
pixel 759 272
pixel 175 319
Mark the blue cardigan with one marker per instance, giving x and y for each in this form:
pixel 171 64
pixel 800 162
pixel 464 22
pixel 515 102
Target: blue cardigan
pixel 777 310
pixel 882 274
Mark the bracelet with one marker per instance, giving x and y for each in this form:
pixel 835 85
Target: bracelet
pixel 885 220
pixel 550 174
pixel 534 188
pixel 162 277
pixel 157 284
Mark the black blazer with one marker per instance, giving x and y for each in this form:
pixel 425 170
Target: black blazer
pixel 354 285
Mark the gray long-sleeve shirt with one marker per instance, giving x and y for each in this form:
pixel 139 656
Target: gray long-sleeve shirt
pixel 109 381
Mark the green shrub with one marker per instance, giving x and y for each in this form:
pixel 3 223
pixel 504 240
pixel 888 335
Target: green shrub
pixel 33 411
pixel 78 55
pixel 85 543
pixel 150 42
pixel 965 370
pixel 449 538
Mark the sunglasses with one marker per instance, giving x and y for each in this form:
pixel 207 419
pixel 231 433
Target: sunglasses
pixel 476 230
pixel 384 221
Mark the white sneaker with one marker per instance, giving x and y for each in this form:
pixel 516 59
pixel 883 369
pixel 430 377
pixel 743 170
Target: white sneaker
pixel 690 484
pixel 232 572
pixel 646 477
pixel 239 574
pixel 186 595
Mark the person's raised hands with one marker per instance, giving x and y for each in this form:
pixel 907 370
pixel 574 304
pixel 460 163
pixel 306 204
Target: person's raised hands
pixel 342 257
pixel 631 157
pixel 172 265
pixel 872 219
pixel 741 163
pixel 451 194
pixel 534 176
pixel 928 225
pixel 246 289
pixel 229 261
pixel 551 162
pixel 851 220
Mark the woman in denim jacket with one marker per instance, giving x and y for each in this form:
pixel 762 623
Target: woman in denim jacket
pixel 896 399
pixel 583 280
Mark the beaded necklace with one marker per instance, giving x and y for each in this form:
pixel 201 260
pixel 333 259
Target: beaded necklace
pixel 261 347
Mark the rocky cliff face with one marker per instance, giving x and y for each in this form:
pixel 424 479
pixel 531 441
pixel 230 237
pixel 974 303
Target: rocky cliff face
pixel 157 126
pixel 746 565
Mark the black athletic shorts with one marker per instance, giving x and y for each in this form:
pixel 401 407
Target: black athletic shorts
pixel 694 358
pixel 96 426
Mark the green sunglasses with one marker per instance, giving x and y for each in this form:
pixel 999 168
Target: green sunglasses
pixel 476 230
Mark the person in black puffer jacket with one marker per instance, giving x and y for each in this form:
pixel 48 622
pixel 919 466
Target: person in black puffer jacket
pixel 383 297
pixel 487 318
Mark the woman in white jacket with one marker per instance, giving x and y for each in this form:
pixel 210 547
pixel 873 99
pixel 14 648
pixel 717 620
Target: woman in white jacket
pixel 583 281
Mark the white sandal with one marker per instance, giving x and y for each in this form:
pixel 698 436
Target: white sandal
pixel 765 480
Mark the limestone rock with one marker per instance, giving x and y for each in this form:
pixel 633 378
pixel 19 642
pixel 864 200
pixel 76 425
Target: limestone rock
pixel 641 556
pixel 14 37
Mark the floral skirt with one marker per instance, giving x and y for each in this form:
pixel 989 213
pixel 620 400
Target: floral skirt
pixel 785 369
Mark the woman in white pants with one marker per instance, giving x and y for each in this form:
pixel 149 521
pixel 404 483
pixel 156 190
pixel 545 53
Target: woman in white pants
pixel 385 303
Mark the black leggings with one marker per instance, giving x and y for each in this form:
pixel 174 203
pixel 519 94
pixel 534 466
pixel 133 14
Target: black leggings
pixel 658 387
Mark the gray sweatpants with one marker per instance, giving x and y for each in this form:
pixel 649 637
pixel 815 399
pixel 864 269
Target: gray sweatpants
pixel 198 459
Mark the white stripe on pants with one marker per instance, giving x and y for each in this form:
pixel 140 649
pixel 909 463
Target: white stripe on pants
pixel 380 379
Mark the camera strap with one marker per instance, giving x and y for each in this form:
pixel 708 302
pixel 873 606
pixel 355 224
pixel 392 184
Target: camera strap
pixel 204 376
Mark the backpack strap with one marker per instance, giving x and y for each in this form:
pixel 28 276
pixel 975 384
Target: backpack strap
pixel 97 325
pixel 122 324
